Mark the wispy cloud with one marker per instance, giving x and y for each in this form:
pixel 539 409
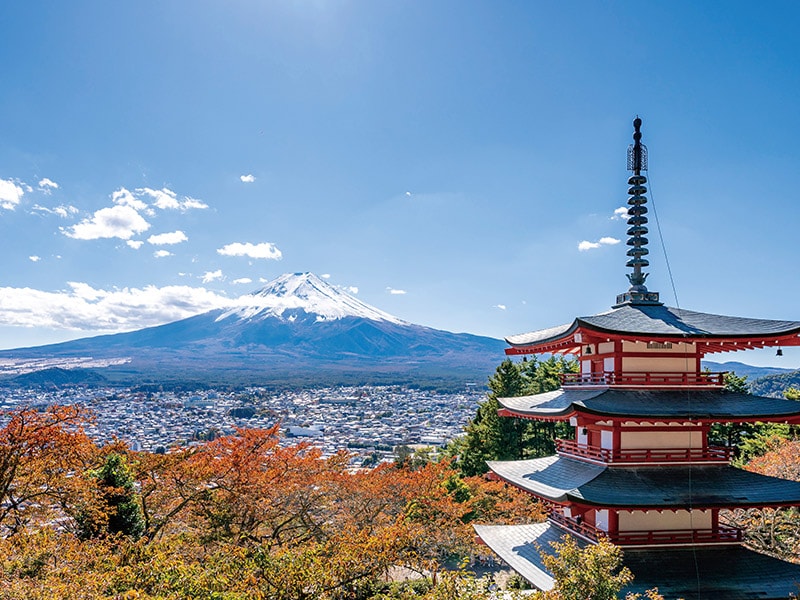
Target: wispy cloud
pixel 63 210
pixel 620 213
pixel 34 258
pixel 135 244
pixel 10 194
pixel 326 275
pixel 124 197
pixel 166 199
pixel 85 308
pixel 395 292
pixel 210 276
pixel 585 245
pixel 250 178
pixel 242 280
pixel 352 289
pixel 265 250
pixel 119 221
pixel 164 239
pixel 47 185
pixel 500 306
pixel 162 253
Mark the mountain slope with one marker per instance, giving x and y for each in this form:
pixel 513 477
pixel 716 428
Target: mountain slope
pixel 298 328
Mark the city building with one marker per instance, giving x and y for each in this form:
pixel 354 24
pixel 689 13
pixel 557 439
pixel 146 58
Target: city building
pixel 640 470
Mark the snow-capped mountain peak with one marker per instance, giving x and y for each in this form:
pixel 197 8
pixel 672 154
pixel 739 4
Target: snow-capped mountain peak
pixel 294 294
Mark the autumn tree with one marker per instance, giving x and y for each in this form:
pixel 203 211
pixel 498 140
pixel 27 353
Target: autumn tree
pixel 42 457
pixel 774 530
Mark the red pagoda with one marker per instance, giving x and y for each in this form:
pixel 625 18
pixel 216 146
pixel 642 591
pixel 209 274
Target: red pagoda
pixel 641 471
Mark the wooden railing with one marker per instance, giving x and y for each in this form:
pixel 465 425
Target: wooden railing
pixel 611 378
pixel 577 526
pixel 644 455
pixel 721 535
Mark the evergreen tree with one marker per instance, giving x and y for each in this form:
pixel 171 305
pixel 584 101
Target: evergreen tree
pixel 492 437
pixel 121 508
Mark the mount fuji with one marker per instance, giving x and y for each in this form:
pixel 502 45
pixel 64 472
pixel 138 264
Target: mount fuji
pixel 298 329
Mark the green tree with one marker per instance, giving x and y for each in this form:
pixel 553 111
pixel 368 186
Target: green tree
pixel 120 510
pixel 791 393
pixel 492 437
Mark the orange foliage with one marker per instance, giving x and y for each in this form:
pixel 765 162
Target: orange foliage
pixel 241 515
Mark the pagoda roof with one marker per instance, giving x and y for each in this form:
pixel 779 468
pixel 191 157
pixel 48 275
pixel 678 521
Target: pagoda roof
pixel 731 572
pixel 713 405
pixel 663 322
pixel 564 480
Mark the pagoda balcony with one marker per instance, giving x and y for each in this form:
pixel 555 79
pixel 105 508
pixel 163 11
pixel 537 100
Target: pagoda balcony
pixel 644 379
pixel 721 535
pixel 570 448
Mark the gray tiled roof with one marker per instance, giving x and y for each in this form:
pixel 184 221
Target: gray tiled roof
pixel 701 573
pixel 732 573
pixel 518 545
pixel 663 321
pixel 719 404
pixel 552 477
pixel 561 479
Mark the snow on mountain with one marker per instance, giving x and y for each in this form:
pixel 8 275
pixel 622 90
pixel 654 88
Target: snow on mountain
pixel 298 295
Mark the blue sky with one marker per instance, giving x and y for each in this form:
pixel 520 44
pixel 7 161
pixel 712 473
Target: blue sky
pixel 444 158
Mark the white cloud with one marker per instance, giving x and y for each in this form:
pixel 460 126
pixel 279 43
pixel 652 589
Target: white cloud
pixel 395 292
pixel 264 250
pixel 63 210
pixel 210 276
pixel 118 221
pixel 47 185
pixel 500 306
pixel 603 241
pixel 84 308
pixel 247 178
pixel 135 244
pixel 352 289
pixel 620 213
pixel 242 280
pixel 408 193
pixel 34 258
pixel 190 203
pixel 326 275
pixel 164 239
pixel 125 198
pixel 162 253
pixel 10 194
pixel 164 198
pixel 608 241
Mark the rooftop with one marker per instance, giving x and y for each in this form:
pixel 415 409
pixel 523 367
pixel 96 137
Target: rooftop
pixel 732 573
pixel 710 405
pixel 716 333
pixel 563 480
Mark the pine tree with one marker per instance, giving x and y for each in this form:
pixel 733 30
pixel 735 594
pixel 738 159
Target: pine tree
pixel 123 513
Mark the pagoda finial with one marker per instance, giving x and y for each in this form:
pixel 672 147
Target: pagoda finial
pixel 637 162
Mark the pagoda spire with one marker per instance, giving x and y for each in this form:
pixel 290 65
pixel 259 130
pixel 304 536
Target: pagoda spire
pixel 637 162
